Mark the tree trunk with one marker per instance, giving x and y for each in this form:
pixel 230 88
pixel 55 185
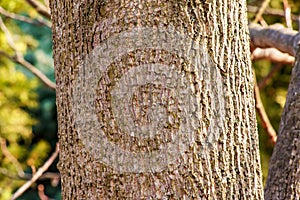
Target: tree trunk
pixel 155 100
pixel 284 169
pixel 283 180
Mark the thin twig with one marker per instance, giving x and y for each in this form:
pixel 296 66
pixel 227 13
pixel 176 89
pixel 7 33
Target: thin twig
pixel 8 36
pixel 271 11
pixel 267 78
pixel 263 22
pixel 266 124
pixel 21 61
pixel 41 192
pixel 298 20
pixel 38 174
pixel 53 177
pixel 18 58
pixel 36 72
pixel 261 10
pixel 7 173
pixel 273 55
pixel 287 14
pixel 22 18
pixel 9 156
pixel 47 176
pixel 40 8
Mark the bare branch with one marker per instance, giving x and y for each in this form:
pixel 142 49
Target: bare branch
pixel 41 192
pixel 40 8
pixel 287 14
pixel 8 36
pixel 46 176
pixel 36 72
pixel 266 124
pixel 273 55
pixel 262 83
pixel 21 61
pixel 261 11
pixel 8 174
pixel 271 11
pixel 24 18
pixel 38 174
pixel 263 22
pixel 53 177
pixel 277 36
pixel 8 155
pixel 18 58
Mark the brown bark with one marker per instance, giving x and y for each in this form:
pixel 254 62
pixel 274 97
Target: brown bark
pixel 283 180
pixel 284 169
pixel 276 36
pixel 229 169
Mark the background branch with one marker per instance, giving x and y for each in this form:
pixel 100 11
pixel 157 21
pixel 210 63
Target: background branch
pixel 287 14
pixel 21 61
pixel 24 18
pixel 261 11
pixel 266 124
pixel 273 55
pixel 18 58
pixel 10 157
pixel 262 83
pixel 38 174
pixel 41 192
pixel 271 11
pixel 277 36
pixel 54 177
pixel 40 8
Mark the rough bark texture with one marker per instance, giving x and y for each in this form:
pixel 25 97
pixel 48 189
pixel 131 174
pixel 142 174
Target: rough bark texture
pixel 284 170
pixel 230 169
pixel 276 36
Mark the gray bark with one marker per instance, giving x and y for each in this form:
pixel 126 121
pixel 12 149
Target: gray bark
pixel 283 180
pixel 229 168
pixel 284 169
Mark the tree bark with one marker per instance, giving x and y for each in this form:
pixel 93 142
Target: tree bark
pixel 284 169
pixel 283 180
pixel 221 159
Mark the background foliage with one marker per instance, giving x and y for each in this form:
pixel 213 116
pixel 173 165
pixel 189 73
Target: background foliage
pixel 27 108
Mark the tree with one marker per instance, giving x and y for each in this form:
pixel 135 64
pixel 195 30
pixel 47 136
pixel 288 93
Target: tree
pixel 220 159
pixel 272 77
pixel 284 175
pixel 284 172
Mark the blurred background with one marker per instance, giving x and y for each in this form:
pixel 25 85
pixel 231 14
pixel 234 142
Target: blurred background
pixel 28 126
